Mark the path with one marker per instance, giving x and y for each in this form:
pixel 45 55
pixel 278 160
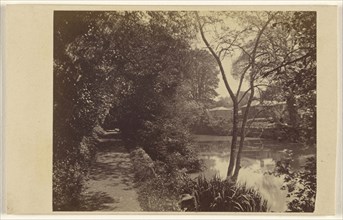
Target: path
pixel 110 186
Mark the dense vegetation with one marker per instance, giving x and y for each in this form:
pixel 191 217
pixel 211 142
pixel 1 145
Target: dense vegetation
pixel 162 188
pixel 143 73
pixel 135 69
pixel 301 185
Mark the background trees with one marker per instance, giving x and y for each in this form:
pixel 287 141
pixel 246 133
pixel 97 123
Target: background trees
pixel 292 68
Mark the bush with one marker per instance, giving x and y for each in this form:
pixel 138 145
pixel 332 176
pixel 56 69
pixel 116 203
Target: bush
pixel 67 185
pixel 69 172
pixel 159 184
pixel 167 141
pixel 223 195
pixel 220 126
pixel 301 185
pixel 212 125
pixel 161 193
pixel 143 165
pixel 171 189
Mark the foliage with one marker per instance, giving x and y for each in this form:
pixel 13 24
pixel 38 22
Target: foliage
pixel 268 48
pixel 301 185
pixel 211 125
pixel 168 141
pixel 159 183
pixel 78 106
pixel 156 106
pixel 67 185
pixel 201 79
pixel 138 71
pixel 163 192
pixel 291 55
pixel 166 190
pixel 223 195
pixel 220 126
pixel 243 45
pixel 137 65
pixel 143 165
pixel 227 102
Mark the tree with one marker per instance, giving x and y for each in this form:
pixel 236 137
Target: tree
pixel 291 53
pixel 82 93
pixel 201 77
pixel 133 65
pixel 254 26
pixel 276 48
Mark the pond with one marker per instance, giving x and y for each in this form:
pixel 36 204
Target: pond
pixel 259 156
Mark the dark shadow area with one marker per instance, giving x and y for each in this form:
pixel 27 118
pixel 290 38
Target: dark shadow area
pixel 112 165
pixel 97 201
pixel 111 145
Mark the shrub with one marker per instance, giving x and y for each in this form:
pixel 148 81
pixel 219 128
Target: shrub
pixel 159 194
pixel 220 126
pixel 223 195
pixel 171 189
pixel 143 165
pixel 212 125
pixel 70 167
pixel 159 185
pixel 67 185
pixel 167 141
pixel 301 185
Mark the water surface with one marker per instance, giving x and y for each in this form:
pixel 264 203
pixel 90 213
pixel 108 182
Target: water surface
pixel 259 156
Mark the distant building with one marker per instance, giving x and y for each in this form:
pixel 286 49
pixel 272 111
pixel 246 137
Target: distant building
pixel 221 112
pixel 266 109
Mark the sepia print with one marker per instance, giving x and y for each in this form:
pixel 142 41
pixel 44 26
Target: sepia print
pixel 186 111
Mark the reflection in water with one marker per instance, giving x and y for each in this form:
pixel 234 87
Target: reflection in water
pixel 255 163
pixel 251 173
pixel 269 186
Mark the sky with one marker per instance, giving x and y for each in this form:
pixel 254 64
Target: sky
pixel 210 31
pixel 227 65
pixel 221 90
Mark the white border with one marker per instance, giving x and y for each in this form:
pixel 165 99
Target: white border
pixel 177 2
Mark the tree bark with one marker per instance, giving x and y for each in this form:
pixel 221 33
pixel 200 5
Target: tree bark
pixel 232 95
pixel 233 141
pixel 252 87
pixel 242 136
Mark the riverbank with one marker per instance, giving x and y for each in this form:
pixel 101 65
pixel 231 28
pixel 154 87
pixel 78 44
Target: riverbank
pixel 259 156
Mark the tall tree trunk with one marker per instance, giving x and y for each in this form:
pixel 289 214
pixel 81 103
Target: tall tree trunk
pixel 246 113
pixel 242 136
pixel 233 140
pixel 232 95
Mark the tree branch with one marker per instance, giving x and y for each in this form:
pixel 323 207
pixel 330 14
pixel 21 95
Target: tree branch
pixel 246 92
pixel 241 79
pixel 285 64
pixel 234 99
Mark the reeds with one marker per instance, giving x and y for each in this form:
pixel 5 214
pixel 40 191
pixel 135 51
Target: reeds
pixel 223 195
